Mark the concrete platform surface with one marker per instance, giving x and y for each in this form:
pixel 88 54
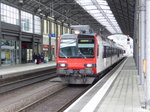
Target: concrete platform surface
pixel 15 70
pixel 123 95
pixel 126 95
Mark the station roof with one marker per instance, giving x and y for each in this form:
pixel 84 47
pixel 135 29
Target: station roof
pixel 123 11
pixel 69 11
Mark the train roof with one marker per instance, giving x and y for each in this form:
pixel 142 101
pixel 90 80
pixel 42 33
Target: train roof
pixel 89 34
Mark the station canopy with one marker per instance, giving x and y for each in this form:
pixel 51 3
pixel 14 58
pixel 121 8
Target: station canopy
pixel 101 11
pixel 111 16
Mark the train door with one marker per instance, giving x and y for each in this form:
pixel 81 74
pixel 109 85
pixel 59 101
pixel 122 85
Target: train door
pixel 99 60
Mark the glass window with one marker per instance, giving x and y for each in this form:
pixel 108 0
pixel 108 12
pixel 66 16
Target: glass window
pixel 86 47
pixel 48 30
pixel 64 30
pixel 68 30
pixel 59 28
pixel 67 47
pixel 70 47
pixel 45 27
pixel 26 22
pixel 53 28
pixel 100 8
pixel 9 52
pixel 9 14
pixel 37 25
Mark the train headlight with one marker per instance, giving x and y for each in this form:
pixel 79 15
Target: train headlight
pixel 90 65
pixel 62 64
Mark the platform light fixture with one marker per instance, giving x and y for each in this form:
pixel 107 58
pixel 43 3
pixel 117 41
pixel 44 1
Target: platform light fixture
pixel 77 32
pixel 101 11
pixel 39 10
pixel 20 1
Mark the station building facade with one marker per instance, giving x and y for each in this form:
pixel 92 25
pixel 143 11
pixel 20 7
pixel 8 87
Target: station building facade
pixel 23 33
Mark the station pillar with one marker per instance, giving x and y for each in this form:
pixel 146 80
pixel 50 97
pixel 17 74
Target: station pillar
pixel 141 39
pixel 148 54
pixel 136 34
pixel 0 34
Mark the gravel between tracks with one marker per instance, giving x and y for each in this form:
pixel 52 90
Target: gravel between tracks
pixel 56 101
pixel 14 100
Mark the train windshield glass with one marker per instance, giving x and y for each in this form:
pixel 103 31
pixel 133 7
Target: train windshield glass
pixel 67 48
pixel 76 48
pixel 86 47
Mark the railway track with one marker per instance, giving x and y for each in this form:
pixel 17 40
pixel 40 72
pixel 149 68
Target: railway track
pixel 57 101
pixel 27 79
pixel 43 95
pixel 60 100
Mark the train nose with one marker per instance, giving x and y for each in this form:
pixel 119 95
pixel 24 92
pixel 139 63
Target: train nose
pixel 87 71
pixel 75 66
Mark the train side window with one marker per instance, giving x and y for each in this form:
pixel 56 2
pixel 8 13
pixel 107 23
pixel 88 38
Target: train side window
pixel 104 52
pixel 98 50
pixel 113 51
pixel 108 54
pixel 110 51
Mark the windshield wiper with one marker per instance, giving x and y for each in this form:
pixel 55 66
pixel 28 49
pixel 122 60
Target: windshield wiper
pixel 63 54
pixel 82 54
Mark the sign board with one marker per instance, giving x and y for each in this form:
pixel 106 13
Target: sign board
pixel 51 35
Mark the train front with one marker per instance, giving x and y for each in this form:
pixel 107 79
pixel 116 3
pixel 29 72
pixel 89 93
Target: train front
pixel 76 60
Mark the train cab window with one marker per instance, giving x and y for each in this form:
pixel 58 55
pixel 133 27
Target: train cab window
pixel 67 48
pixel 77 47
pixel 86 47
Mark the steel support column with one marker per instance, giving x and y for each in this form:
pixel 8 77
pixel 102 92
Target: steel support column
pixel 33 44
pixel 135 33
pixel 148 53
pixel 0 22
pixel 50 48
pixel 138 37
pixel 42 31
pixel 33 39
pixel 134 48
pixel 0 34
pixel 141 39
pixel 56 36
pixel 62 29
pixel 20 37
pixel 0 54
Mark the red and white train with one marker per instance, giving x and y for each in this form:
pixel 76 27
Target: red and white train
pixel 82 57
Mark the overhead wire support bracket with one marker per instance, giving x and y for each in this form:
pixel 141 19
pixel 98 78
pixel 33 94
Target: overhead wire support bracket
pixel 55 11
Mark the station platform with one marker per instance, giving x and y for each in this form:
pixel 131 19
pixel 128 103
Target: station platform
pixel 120 93
pixel 21 69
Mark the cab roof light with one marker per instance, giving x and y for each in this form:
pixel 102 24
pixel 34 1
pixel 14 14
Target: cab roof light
pixel 77 32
